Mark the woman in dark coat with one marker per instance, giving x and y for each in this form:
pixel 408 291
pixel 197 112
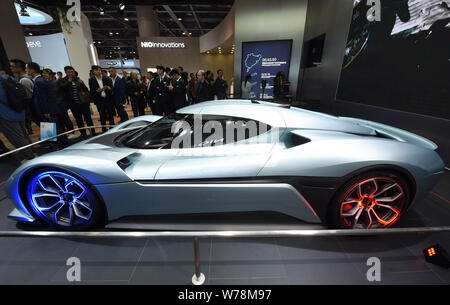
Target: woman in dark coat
pixel 136 92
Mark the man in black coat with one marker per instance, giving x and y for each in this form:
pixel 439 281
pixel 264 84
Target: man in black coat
pixel 119 94
pixel 202 88
pixel 178 90
pixel 101 91
pixel 69 89
pixel 162 95
pixel 150 91
pixel 220 86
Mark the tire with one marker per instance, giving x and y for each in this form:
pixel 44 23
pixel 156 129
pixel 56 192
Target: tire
pixel 63 199
pixel 371 200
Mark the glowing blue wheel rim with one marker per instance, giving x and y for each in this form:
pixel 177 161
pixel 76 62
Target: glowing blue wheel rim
pixel 60 198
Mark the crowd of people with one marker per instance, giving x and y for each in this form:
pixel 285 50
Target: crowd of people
pixel 49 97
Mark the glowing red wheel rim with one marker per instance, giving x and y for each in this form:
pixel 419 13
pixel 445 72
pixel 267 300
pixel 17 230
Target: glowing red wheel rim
pixel 375 202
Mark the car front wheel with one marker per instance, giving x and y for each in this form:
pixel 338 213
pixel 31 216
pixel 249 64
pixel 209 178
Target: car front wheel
pixel 62 199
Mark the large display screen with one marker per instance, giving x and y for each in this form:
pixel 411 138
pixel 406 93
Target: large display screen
pixel 401 61
pixel 49 51
pixel 263 60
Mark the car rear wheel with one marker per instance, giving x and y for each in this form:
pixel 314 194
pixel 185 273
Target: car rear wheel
pixel 63 199
pixel 370 201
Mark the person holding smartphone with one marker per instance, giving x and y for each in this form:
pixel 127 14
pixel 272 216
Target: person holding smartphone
pixel 70 88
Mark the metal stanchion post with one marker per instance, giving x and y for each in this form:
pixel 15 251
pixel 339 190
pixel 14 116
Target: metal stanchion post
pixel 198 278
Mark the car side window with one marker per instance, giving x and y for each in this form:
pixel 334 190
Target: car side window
pixel 191 131
pixel 214 130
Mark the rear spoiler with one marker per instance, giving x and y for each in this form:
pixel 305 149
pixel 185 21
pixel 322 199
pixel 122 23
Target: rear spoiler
pixel 394 133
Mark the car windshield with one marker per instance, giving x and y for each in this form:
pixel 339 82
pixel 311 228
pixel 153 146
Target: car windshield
pixel 156 135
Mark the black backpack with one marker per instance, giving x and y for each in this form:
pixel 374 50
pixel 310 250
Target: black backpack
pixel 16 94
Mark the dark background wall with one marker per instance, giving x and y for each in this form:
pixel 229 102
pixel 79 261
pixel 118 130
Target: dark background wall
pixel 318 85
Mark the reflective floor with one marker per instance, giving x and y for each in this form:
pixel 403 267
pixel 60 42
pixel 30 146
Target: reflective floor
pixel 320 260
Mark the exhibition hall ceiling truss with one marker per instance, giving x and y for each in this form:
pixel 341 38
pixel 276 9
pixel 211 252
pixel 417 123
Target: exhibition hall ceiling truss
pixel 115 28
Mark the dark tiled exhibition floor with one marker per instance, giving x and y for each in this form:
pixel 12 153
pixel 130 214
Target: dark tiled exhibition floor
pixel 319 260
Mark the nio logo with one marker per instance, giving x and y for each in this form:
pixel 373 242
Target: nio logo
pixel 162 45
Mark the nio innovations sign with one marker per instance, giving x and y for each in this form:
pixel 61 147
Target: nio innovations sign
pixel 163 45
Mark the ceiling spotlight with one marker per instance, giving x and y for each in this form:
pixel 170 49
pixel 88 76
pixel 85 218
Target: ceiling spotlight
pixel 184 33
pixel 190 33
pixel 102 11
pixel 110 33
pixel 31 34
pixel 179 19
pixel 126 19
pixel 117 33
pixel 121 9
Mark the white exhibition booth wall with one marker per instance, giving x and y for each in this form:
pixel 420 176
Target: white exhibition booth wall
pixel 49 51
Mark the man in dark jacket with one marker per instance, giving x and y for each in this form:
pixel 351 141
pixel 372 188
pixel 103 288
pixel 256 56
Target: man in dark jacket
pixel 101 91
pixel 119 94
pixel 44 100
pixel 178 90
pixel 49 108
pixel 220 86
pixel 202 88
pixel 68 89
pixel 162 94
pixel 150 92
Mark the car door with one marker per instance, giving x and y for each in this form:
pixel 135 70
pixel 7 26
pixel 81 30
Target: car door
pixel 218 155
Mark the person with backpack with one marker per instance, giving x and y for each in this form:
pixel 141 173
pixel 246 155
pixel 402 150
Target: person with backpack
pixel 18 69
pixel 12 122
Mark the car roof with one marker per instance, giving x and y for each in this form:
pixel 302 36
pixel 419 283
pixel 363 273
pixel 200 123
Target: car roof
pixel 275 115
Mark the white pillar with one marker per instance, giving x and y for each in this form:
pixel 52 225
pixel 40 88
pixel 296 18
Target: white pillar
pixel 80 46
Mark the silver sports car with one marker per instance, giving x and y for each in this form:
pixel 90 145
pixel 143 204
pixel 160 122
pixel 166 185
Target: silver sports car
pixel 231 156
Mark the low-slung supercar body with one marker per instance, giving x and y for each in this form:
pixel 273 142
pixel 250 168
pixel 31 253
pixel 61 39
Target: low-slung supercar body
pixel 345 172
